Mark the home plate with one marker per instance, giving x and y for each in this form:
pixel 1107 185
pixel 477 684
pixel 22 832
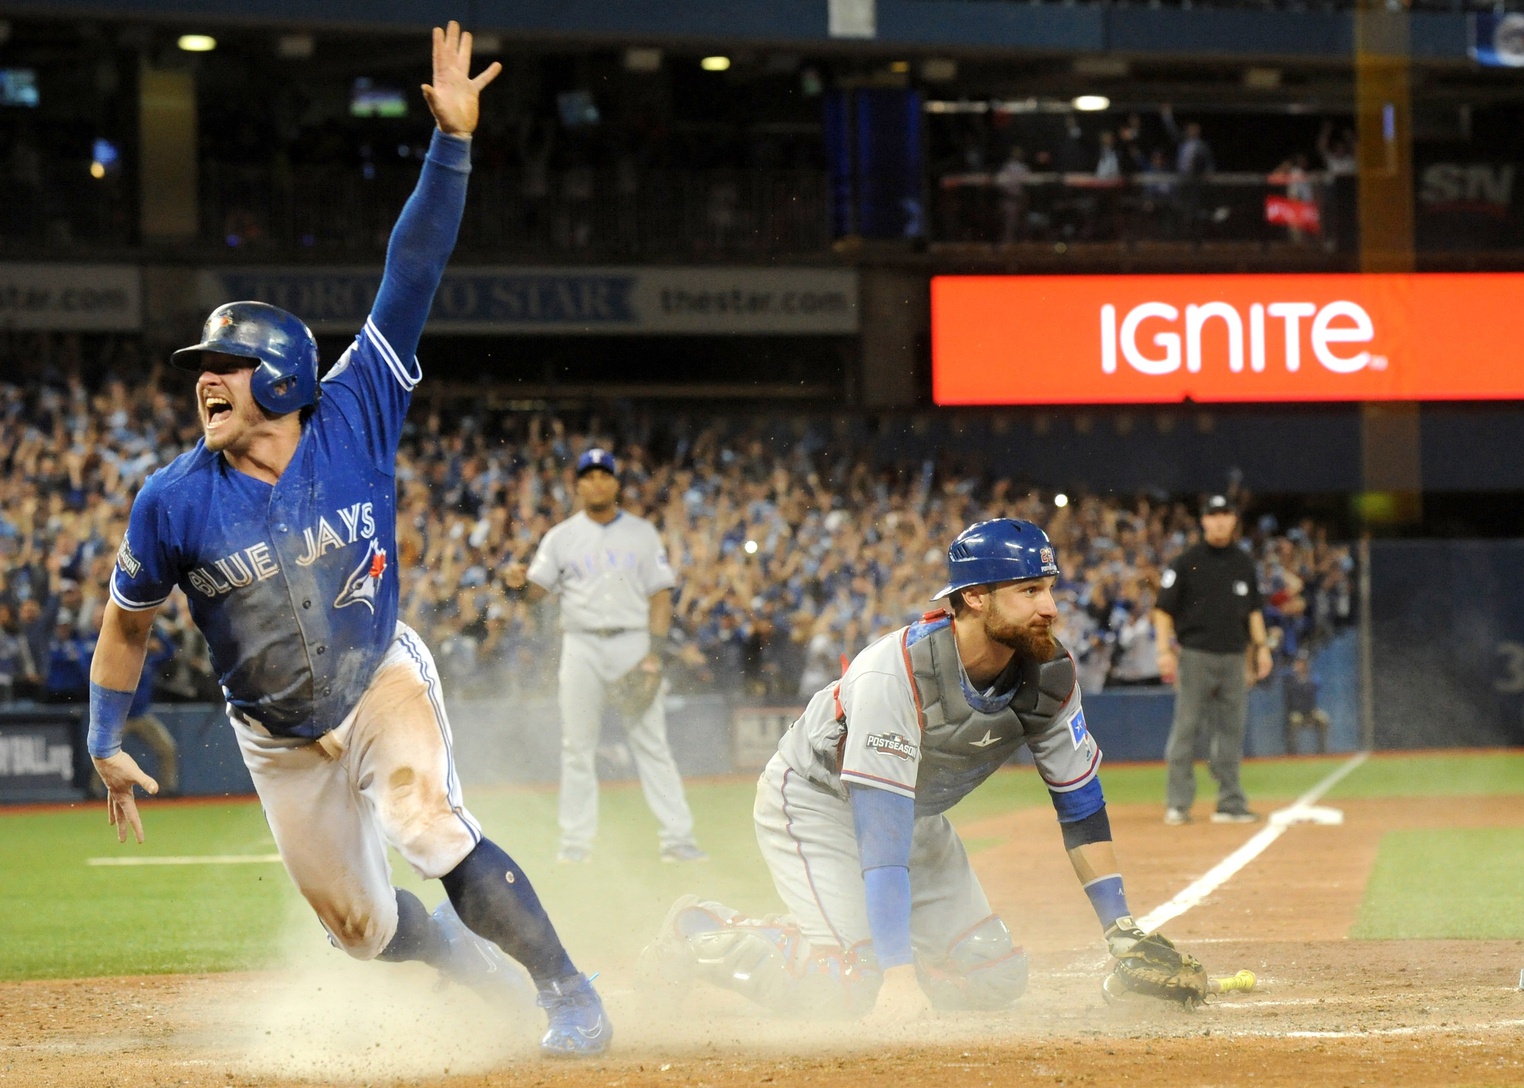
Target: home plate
pixel 1308 814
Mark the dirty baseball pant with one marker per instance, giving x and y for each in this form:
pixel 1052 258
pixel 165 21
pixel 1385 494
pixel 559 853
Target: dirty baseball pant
pixel 385 776
pixel 810 846
pixel 1211 695
pixel 589 663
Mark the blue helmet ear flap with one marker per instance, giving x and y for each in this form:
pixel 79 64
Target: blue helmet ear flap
pixel 999 550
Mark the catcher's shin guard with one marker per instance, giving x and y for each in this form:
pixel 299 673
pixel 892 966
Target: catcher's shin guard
pixel 765 960
pixel 982 969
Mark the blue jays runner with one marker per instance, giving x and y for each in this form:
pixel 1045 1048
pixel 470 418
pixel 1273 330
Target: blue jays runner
pixel 885 913
pixel 280 527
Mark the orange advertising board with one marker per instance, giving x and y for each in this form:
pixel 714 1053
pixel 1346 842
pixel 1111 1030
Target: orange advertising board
pixel 1219 339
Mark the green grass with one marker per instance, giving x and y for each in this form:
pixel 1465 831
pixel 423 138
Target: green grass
pixel 1461 884
pixel 1439 774
pixel 62 918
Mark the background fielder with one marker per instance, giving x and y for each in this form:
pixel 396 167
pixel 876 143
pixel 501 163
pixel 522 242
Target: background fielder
pixel 610 570
pixel 884 910
pixel 280 527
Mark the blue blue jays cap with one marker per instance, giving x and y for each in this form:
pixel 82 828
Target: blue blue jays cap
pixel 597 457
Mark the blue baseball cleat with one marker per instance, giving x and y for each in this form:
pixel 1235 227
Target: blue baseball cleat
pixel 579 1027
pixel 476 962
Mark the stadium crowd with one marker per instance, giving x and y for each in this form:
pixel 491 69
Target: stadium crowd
pixel 792 544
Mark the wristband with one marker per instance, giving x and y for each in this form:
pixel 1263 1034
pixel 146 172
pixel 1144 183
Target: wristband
pixel 1108 899
pixel 108 719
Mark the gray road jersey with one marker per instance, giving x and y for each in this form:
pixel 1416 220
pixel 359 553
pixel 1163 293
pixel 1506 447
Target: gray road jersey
pixel 901 719
pixel 605 574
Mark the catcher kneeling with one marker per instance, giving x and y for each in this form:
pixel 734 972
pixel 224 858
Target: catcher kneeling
pixel 885 913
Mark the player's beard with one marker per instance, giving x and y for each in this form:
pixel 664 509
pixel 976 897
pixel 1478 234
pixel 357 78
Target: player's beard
pixel 1033 640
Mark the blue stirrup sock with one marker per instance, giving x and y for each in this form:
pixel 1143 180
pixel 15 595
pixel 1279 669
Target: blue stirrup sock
pixel 496 901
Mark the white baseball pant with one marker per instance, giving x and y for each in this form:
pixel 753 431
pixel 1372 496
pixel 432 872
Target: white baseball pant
pixel 385 776
pixel 589 663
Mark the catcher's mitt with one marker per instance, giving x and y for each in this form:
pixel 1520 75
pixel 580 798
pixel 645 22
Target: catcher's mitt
pixel 1154 967
pixel 633 692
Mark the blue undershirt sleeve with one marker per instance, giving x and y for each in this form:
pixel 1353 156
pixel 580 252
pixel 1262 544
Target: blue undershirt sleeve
pixel 885 823
pixel 421 243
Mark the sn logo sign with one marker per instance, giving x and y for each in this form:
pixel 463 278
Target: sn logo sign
pixel 1173 339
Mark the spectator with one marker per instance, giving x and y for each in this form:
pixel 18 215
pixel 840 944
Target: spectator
pixel 1193 161
pixel 1010 182
pixel 68 676
pixel 1302 710
pixel 1137 659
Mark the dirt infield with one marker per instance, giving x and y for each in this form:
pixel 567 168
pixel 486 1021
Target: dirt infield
pixel 1328 1011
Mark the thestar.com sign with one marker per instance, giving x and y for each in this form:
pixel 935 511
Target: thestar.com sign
pixel 1157 339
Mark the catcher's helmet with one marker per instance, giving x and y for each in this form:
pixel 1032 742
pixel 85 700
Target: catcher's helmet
pixel 999 550
pixel 286 377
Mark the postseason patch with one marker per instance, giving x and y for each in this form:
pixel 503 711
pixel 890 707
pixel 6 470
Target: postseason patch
pixel 891 744
pixel 127 561
pixel 1077 730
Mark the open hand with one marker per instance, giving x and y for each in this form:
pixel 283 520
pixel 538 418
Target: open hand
pixel 453 96
pixel 900 999
pixel 120 773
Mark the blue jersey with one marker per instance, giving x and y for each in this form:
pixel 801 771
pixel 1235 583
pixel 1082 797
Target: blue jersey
pixel 294 585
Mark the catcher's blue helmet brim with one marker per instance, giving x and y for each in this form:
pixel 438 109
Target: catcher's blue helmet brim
pixel 951 588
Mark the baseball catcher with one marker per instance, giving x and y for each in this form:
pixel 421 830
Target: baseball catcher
pixel 885 911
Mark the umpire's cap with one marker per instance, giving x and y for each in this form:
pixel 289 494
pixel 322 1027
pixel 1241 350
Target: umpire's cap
pixel 1000 550
pixel 279 346
pixel 597 457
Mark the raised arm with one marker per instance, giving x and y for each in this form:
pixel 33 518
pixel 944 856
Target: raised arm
pixel 425 232
pixel 114 674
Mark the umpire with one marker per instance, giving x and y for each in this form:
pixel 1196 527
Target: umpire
pixel 1209 601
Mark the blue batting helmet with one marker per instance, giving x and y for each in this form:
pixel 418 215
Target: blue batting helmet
pixel 1000 550
pixel 597 457
pixel 285 353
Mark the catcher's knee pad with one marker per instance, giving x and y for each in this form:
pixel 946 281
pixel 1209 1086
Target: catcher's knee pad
pixel 983 969
pixel 765 960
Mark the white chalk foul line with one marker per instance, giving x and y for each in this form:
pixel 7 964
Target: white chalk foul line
pixel 1225 869
pixel 193 859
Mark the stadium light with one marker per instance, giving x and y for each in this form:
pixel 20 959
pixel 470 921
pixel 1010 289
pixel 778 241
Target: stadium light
pixel 715 64
pixel 197 43
pixel 1090 103
pixel 97 170
pixel 1060 500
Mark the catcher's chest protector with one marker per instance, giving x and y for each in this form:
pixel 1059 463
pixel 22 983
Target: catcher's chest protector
pixel 961 746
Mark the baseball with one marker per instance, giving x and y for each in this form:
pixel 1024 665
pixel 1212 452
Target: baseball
pixel 1242 983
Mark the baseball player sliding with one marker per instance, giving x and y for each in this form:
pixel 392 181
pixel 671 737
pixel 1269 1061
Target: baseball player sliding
pixel 615 586
pixel 885 913
pixel 280 527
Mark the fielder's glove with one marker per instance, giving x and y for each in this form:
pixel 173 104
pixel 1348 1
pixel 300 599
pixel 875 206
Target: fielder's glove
pixel 1154 967
pixel 633 692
